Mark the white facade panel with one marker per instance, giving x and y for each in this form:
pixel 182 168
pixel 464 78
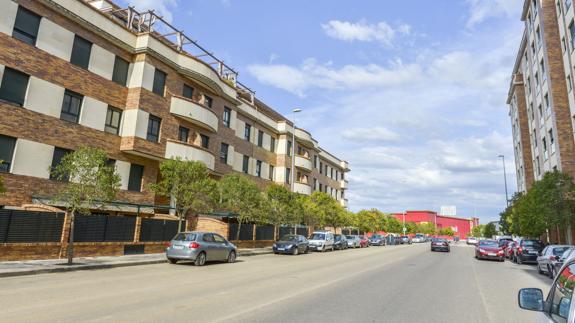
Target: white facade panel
pixel 187 152
pixel 44 97
pixel 55 39
pixel 102 62
pixel 8 16
pixel 93 113
pixel 135 123
pixel 32 159
pixel 123 169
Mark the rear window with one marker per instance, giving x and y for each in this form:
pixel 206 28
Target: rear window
pixel 185 237
pixel 317 236
pixel 488 243
pixel 559 251
pixel 532 243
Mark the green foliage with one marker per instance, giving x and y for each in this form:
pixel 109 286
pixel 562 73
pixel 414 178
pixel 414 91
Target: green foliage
pixel 284 206
pixel 446 232
pixel 489 230
pixel 188 185
pixel 90 179
pixel 477 231
pixel 411 227
pixel 425 228
pixel 393 225
pixel 329 212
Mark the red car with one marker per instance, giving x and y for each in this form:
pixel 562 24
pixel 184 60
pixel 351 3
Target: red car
pixel 489 249
pixel 363 242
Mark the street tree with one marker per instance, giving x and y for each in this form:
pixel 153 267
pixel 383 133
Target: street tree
pixel 91 180
pixel 489 230
pixel 393 225
pixel 477 231
pixel 447 232
pixel 189 187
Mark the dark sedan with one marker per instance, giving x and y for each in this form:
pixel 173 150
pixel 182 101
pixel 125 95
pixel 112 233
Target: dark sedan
pixel 527 250
pixel 377 240
pixel 340 242
pixel 549 256
pixel 291 244
pixel 489 249
pixel 439 244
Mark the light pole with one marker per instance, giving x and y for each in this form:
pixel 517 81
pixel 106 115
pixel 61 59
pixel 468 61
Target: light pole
pixel 505 179
pixel 404 228
pixel 294 111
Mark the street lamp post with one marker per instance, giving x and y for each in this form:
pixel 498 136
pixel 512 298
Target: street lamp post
pixel 294 111
pixel 505 179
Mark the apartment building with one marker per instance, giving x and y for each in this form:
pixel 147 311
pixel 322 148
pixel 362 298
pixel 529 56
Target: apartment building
pixel 80 72
pixel 541 98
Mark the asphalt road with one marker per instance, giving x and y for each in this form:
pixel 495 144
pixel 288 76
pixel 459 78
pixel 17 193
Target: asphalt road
pixel 377 284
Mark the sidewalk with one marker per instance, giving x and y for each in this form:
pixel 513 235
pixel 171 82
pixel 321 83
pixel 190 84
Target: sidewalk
pixel 33 267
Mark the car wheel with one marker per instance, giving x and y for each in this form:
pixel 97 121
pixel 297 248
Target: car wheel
pixel 306 250
pixel 332 248
pixel 172 260
pixel 323 249
pixel 232 257
pixel 295 251
pixel 200 259
pixel 539 271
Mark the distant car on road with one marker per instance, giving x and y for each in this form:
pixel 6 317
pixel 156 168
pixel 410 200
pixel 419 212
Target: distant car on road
pixel 489 249
pixel 291 244
pixel 377 240
pixel 419 238
pixel 559 306
pixel 200 247
pixel 439 244
pixel 472 240
pixel 340 242
pixel 321 241
pixel 510 249
pixel 527 250
pixel 363 241
pixel 353 241
pixel 549 256
pixel 405 240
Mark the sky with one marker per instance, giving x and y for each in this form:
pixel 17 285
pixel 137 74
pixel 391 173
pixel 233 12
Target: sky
pixel 411 93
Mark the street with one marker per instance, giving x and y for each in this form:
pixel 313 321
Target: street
pixel 404 283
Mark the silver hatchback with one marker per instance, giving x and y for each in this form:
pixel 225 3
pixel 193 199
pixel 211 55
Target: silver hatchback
pixel 200 247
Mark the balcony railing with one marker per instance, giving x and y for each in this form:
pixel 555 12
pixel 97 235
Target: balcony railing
pixel 303 162
pixel 302 188
pixel 194 112
pixel 189 152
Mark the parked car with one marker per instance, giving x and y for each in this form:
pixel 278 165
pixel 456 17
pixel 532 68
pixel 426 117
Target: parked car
pixel 419 238
pixel 291 244
pixel 200 247
pixel 340 242
pixel 527 250
pixel 377 240
pixel 353 241
pixel 321 241
pixel 439 244
pixel 510 249
pixel 405 240
pixel 548 257
pixel 558 306
pixel 503 242
pixel 471 240
pixel 363 241
pixel 566 256
pixel 489 249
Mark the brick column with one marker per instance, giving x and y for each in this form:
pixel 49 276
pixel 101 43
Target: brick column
pixel 137 229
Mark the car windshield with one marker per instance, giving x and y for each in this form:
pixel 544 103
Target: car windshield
pixel 185 237
pixel 376 236
pixel 532 243
pixel 289 237
pixel 503 242
pixel 351 237
pixel 317 236
pixel 439 240
pixel 488 243
pixel 558 251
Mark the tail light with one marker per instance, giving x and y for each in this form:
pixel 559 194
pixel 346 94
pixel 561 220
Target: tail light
pixel 168 244
pixel 194 245
pixel 500 252
pixel 520 250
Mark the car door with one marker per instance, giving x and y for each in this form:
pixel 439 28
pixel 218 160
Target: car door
pixel 208 245
pixel 559 300
pixel 222 247
pixel 541 259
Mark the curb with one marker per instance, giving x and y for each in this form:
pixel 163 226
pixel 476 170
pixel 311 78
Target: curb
pixel 108 266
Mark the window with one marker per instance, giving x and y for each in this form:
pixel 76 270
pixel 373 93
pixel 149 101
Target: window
pixel 541 118
pixel 183 134
pixel 224 153
pixel 325 170
pixel 535 137
pixel 561 293
pixel 71 106
pixel 121 67
pixel 260 138
pixel 259 168
pixel 320 187
pixel 135 180
pixel 288 173
pixel 113 118
pixel 246 164
pixel 572 32
pixel 289 148
pixel 542 66
pixel 315 184
pixel 564 44
pixel 273 145
pixel 320 167
pixel 14 86
pixel 227 116
pixel 159 82
pixel 551 141
pixel 59 154
pixel 533 48
pixel 205 141
pixel 7 145
pixel 544 141
pixel 538 35
pixel 336 174
pixel 208 101
pixel 271 172
pixel 26 26
pixel 569 84
pixel 547 105
pixel 534 8
pixel 538 166
pixel 247 131
pixel 154 124
pixel 81 52
pixel 558 7
pixel 315 161
pixel 537 80
pixel 331 173
pixel 567 4
pixel 188 91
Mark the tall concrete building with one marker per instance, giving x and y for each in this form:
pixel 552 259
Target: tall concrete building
pixel 541 97
pixel 80 72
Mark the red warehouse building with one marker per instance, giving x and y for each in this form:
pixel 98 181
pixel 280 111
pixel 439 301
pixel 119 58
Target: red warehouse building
pixel 461 226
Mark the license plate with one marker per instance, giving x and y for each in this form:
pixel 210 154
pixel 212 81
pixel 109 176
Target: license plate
pixel 491 254
pixel 178 247
pixel 281 249
pixel 533 252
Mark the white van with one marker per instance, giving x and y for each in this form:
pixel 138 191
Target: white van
pixel 321 241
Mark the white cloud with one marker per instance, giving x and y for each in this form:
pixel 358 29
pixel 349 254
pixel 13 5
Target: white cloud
pixel 362 31
pixel 371 134
pixel 161 7
pixel 481 10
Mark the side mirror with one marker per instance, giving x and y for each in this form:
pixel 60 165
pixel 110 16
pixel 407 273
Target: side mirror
pixel 530 299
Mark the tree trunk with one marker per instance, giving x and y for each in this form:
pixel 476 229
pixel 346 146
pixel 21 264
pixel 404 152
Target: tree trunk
pixel 70 249
pixel 239 230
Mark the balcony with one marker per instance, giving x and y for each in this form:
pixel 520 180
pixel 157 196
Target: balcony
pixel 303 162
pixel 189 152
pixel 194 112
pixel 345 165
pixel 304 136
pixel 343 184
pixel 302 188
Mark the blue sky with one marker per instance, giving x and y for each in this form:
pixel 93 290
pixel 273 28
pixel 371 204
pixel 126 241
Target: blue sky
pixel 411 93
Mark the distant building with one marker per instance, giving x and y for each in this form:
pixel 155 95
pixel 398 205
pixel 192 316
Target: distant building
pixel 461 226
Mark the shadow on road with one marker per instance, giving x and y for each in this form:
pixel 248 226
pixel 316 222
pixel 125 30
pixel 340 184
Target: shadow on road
pixel 531 269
